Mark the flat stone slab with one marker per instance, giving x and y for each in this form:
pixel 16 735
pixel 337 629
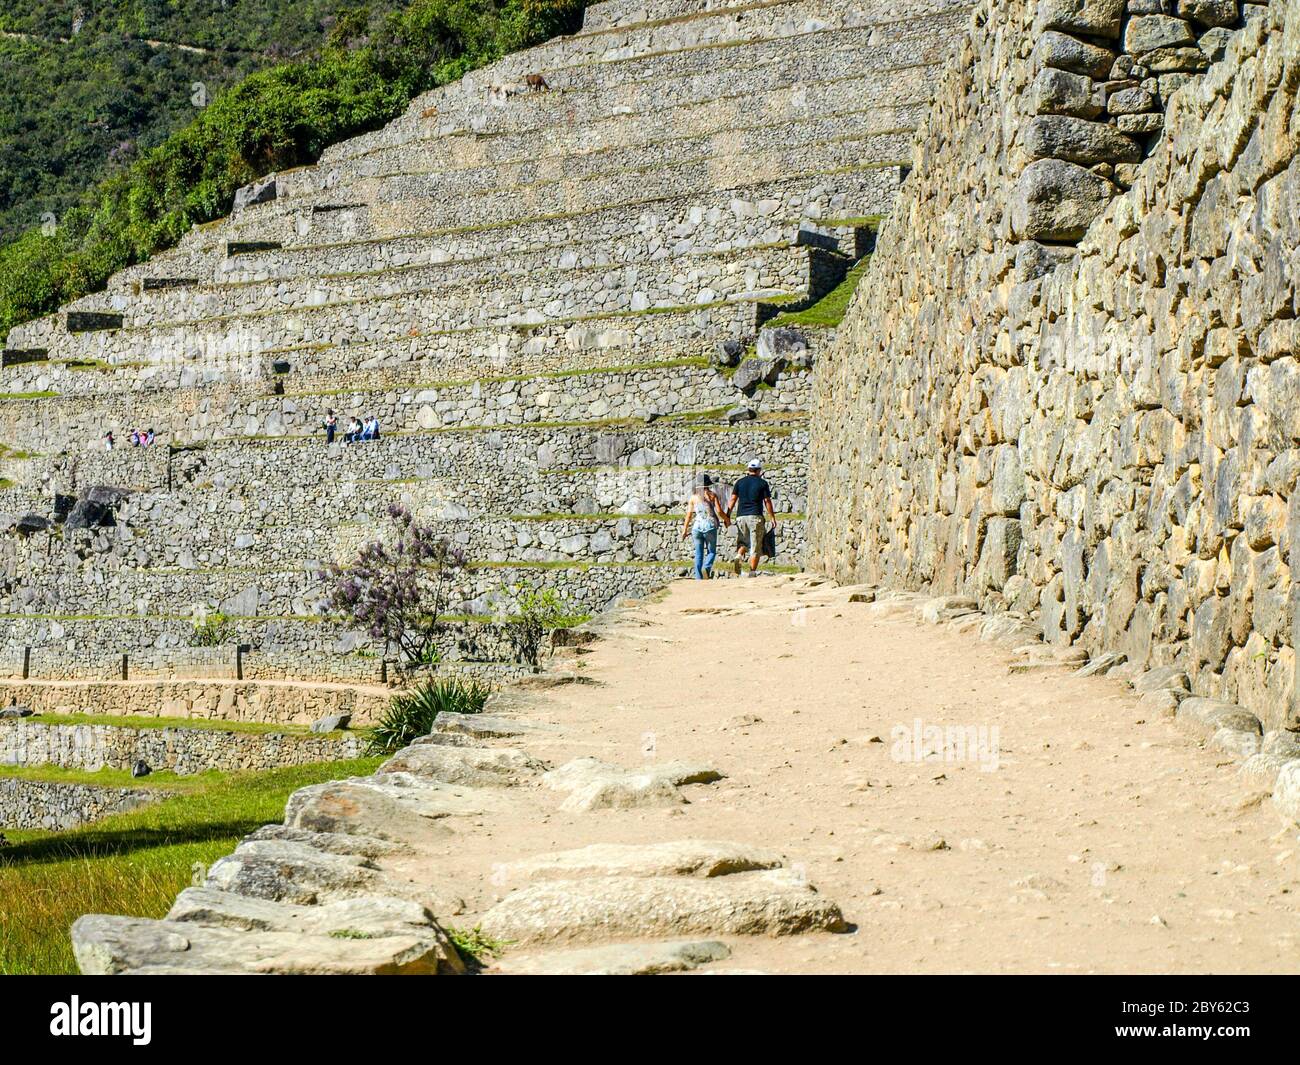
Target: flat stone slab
pixel 491 767
pixel 596 785
pixel 292 872
pixel 617 959
pixel 106 945
pixel 378 914
pixel 487 726
pixel 689 857
pixel 774 902
pixel 358 807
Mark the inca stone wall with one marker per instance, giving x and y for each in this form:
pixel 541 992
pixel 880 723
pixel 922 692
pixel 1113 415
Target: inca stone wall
pixel 557 303
pixel 53 806
pixel 1102 437
pixel 181 750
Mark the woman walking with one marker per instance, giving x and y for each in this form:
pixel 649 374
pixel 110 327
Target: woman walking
pixel 700 522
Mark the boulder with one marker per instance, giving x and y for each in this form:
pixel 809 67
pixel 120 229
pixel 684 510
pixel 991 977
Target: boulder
pixel 1215 714
pixel 1161 678
pixel 331 722
pixel 757 371
pixel 485 726
pixel 357 807
pixel 16 711
pixel 1286 791
pixel 87 514
pixel 140 768
pixel 728 353
pixel 31 523
pixel 741 414
pixel 772 902
pixel 263 190
pixel 784 343
pixel 292 872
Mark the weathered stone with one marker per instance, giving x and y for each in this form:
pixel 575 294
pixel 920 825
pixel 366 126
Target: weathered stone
pixel 1064 52
pixel 1215 714
pixel 704 858
pixel 106 945
pixel 1210 12
pixel 470 766
pixel 775 902
pixel 1286 791
pixel 1092 18
pixel 1146 33
pixel 1058 200
pixel 331 723
pixel 486 726
pixel 355 807
pixel 1079 141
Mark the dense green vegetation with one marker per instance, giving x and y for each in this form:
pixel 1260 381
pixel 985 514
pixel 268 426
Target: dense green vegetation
pixel 363 75
pixel 133 863
pixel 85 90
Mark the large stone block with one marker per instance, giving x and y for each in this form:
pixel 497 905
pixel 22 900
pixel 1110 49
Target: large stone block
pixel 1092 18
pixel 1079 141
pixel 1056 200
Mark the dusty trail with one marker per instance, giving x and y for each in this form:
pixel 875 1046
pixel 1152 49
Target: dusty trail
pixel 1105 840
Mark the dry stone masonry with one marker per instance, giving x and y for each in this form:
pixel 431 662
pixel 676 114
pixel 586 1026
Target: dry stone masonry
pixel 1099 438
pixel 555 302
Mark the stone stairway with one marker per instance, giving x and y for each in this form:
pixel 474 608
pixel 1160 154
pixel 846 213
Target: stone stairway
pixel 542 295
pixel 369 875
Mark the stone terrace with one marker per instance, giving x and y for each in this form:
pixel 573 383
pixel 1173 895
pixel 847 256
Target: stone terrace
pixel 542 295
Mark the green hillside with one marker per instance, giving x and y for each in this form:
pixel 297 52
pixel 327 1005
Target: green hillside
pixel 99 129
pixel 86 88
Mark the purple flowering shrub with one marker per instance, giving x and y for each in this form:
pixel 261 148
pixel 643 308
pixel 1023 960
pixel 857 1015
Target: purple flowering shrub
pixel 398 591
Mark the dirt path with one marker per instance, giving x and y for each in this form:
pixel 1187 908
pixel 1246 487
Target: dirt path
pixel 1105 840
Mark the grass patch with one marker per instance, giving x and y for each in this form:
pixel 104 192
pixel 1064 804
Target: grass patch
pixel 473 946
pixel 103 778
pixel 829 311
pixel 133 863
pixel 142 721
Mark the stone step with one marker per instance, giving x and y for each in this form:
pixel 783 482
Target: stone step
pixel 176 534
pixel 467 105
pixel 589 342
pixel 546 281
pixel 586 587
pixel 885 131
pixel 670 390
pixel 216 340
pixel 514 455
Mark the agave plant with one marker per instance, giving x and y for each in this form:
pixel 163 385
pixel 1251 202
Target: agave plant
pixel 411 713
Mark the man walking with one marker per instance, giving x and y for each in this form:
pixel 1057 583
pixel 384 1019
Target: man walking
pixel 751 499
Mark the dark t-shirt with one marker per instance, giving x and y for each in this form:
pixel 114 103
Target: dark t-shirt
pixel 750 492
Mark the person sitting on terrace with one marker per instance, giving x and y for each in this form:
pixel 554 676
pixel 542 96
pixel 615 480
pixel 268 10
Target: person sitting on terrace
pixel 354 432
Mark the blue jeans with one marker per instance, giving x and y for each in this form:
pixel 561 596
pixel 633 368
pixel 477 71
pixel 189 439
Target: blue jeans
pixel 706 549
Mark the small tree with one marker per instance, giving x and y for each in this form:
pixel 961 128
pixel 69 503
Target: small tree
pixel 398 591
pixel 535 611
